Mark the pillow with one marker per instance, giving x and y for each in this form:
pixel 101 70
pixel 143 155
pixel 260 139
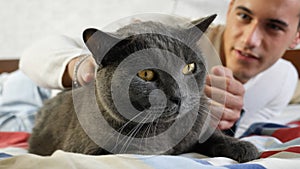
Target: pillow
pixel 296 97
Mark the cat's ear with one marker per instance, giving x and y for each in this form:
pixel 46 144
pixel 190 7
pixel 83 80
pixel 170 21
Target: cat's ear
pixel 192 34
pixel 99 43
pixel 203 23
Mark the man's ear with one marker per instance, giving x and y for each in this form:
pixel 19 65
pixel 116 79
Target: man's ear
pixel 296 40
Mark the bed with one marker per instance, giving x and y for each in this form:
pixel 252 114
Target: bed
pixel 279 144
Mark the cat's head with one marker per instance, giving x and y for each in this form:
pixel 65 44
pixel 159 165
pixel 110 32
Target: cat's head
pixel 148 70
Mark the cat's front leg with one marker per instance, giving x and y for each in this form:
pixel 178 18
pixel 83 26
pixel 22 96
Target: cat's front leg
pixel 220 144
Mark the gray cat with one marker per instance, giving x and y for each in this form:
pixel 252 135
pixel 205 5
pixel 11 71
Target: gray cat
pixel 165 94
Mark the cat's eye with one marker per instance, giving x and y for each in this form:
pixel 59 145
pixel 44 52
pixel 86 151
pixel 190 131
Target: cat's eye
pixel 147 75
pixel 189 69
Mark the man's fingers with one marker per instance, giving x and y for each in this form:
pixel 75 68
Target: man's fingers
pixel 229 84
pixel 226 94
pixel 222 78
pixel 223 97
pixel 86 71
pixel 223 117
pixel 222 71
pixel 224 125
pixel 88 77
pixel 219 110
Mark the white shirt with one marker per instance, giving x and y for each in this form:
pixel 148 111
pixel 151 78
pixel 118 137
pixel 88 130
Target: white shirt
pixel 267 94
pixel 45 61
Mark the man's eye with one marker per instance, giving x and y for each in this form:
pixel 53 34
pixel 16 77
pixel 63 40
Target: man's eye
pixel 274 27
pixel 244 16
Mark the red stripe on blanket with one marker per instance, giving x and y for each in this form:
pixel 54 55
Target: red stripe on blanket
pixel 297 123
pixel 287 134
pixel 14 139
pixel 290 149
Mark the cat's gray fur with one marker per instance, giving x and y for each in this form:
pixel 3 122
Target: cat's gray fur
pixel 57 125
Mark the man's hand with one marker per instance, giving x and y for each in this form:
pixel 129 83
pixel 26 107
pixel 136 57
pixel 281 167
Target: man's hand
pixel 85 71
pixel 227 95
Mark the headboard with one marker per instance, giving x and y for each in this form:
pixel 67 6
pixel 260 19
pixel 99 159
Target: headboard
pixel 294 57
pixel 291 55
pixel 8 65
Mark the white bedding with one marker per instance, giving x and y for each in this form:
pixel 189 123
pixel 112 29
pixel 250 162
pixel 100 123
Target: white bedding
pixel 280 149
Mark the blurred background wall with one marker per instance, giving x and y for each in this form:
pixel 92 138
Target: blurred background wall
pixel 25 21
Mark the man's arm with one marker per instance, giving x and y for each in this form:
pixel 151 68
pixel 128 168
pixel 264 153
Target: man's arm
pixel 47 62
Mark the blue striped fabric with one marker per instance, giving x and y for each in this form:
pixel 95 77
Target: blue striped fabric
pixel 179 162
pixel 4 155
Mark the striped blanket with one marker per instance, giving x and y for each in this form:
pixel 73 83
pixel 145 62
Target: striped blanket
pixel 279 144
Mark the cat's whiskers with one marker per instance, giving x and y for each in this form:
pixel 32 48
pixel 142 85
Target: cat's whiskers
pixel 133 133
pixel 130 137
pixel 118 133
pixel 188 106
pixel 148 130
pixel 120 130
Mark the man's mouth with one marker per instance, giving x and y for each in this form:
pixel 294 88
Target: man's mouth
pixel 246 55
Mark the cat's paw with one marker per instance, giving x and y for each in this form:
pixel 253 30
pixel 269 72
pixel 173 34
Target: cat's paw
pixel 243 151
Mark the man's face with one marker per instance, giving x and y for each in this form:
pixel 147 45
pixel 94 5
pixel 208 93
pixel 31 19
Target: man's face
pixel 257 34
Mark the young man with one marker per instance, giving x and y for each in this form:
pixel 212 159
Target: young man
pixel 253 41
pixel 251 45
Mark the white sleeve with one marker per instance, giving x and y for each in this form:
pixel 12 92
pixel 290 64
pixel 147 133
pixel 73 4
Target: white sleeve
pixel 46 60
pixel 268 94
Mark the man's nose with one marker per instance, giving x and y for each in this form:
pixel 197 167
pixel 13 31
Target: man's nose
pixel 252 36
